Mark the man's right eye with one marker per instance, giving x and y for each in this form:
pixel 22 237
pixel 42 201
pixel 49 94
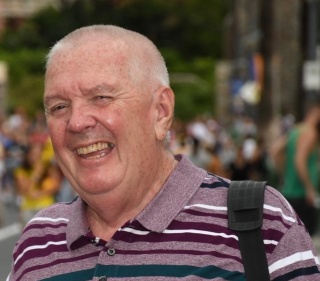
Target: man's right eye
pixel 57 108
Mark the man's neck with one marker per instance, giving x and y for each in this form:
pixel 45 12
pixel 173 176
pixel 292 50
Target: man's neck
pixel 107 213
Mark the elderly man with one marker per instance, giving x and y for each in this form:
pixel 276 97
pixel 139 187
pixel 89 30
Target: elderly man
pixel 141 213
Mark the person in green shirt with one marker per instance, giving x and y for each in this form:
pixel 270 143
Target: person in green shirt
pixel 301 169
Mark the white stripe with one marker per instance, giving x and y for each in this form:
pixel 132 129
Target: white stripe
pixel 134 231
pixel 208 207
pixel 301 256
pixel 36 247
pixel 48 219
pixel 270 242
pixel 221 208
pixel 11 230
pixel 169 231
pixel 203 232
pixel 278 210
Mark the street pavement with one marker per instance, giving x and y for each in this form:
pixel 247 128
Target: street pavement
pixel 9 233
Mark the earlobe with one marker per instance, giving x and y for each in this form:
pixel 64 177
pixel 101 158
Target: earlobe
pixel 165 112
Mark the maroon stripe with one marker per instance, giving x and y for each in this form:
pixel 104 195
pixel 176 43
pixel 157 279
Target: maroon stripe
pixel 66 261
pixel 272 234
pixel 201 226
pixel 40 253
pixel 179 252
pixel 277 218
pixel 39 240
pixel 179 237
pixel 203 214
pixel 43 225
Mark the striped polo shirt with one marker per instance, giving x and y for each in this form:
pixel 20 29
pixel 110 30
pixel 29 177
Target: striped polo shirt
pixel 181 235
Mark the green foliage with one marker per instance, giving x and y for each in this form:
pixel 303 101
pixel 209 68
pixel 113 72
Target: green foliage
pixel 24 61
pixel 193 84
pixel 188 32
pixel 28 93
pixel 191 102
pixel 25 85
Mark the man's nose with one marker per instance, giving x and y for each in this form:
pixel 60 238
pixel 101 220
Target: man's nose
pixel 81 118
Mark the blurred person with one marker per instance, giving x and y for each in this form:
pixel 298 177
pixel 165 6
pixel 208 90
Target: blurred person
pixel 17 119
pixel 14 154
pixel 2 172
pixel 37 183
pixel 199 154
pixel 277 151
pixel 14 136
pixel 2 165
pixel 25 179
pixel 142 213
pixel 249 146
pixel 277 139
pixel 1 213
pixel 301 165
pixel 17 126
pixel 227 153
pixel 243 126
pixel 182 145
pixel 38 132
pixel 49 184
pixel 215 165
pixel 239 168
pixel 258 161
pixel 200 132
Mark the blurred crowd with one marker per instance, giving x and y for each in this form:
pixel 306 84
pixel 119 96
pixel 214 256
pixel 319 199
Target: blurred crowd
pixel 29 176
pixel 238 152
pixel 31 179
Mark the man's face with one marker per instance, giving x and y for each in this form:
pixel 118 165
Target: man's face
pixel 101 125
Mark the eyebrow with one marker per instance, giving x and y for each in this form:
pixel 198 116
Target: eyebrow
pixel 47 100
pixel 90 91
pixel 100 89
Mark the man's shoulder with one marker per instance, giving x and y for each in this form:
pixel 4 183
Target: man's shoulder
pixel 278 215
pixel 59 210
pixel 44 234
pixel 277 211
pixel 212 191
pixel 52 219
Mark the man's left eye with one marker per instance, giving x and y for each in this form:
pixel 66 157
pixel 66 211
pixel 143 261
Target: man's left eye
pixel 102 97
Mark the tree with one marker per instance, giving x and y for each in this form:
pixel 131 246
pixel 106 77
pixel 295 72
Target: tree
pixel 189 33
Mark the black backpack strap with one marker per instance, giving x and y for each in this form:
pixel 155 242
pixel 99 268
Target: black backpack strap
pixel 245 216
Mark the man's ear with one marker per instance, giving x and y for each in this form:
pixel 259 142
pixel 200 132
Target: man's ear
pixel 165 111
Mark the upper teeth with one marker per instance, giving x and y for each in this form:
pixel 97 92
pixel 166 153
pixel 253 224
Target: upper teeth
pixel 94 147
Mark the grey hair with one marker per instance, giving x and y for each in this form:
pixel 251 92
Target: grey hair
pixel 145 62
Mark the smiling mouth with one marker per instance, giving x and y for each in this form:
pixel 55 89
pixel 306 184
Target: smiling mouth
pixel 96 150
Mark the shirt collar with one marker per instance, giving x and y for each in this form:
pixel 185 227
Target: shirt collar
pixel 78 226
pixel 180 187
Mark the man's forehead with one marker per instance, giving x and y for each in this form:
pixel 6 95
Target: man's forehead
pixel 92 54
pixel 95 88
pixel 94 42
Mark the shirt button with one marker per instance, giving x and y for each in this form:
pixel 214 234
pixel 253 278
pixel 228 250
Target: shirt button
pixel 111 252
pixel 103 278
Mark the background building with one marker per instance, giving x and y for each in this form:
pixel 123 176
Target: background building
pixel 271 47
pixel 13 12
